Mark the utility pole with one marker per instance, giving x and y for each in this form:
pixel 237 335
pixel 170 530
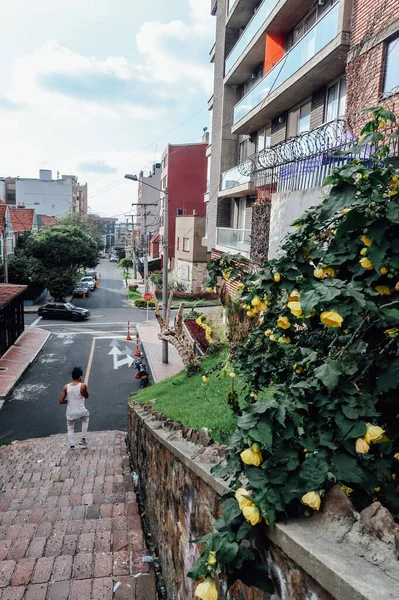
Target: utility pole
pixel 134 257
pixel 145 250
pixel 165 245
pixel 5 252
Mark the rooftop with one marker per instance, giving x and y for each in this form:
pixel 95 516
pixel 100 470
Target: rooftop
pixel 22 219
pixel 46 221
pixel 8 292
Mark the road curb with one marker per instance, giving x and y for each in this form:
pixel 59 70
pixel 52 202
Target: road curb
pixel 147 356
pixel 18 376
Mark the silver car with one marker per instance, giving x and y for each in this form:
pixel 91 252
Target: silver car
pixel 90 281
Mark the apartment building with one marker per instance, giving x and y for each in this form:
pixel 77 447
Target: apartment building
pixel 148 195
pixel 47 196
pixel 191 257
pixel 183 173
pixel 109 231
pixel 279 101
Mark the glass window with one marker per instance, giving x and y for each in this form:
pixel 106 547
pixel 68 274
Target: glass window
pixel 241 213
pixel 178 244
pixel 336 100
pixel 391 80
pixel 260 140
pixel 186 244
pixel 342 98
pixel 304 117
pixel 208 175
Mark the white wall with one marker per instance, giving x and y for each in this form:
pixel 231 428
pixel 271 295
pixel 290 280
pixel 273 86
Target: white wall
pixel 52 198
pixel 151 196
pixel 2 191
pixel 288 206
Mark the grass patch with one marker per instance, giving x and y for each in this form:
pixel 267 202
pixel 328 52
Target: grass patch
pixel 133 295
pixel 196 404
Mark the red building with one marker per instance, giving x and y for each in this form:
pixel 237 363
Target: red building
pixel 184 171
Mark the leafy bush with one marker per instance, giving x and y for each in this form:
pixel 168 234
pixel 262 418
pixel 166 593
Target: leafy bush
pixel 156 278
pixel 198 334
pixel 191 316
pixel 326 335
pixel 141 303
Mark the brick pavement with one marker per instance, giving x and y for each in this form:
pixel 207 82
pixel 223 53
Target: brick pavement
pixel 69 522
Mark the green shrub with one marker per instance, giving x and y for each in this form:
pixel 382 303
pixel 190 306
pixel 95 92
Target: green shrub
pixel 141 303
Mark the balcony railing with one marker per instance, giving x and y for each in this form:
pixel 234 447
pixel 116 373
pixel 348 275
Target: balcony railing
pixel 232 178
pixel 321 34
pixel 235 239
pixel 249 32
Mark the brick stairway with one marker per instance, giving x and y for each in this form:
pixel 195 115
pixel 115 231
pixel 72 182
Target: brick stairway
pixel 69 522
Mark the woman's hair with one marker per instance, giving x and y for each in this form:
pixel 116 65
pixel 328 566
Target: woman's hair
pixel 76 373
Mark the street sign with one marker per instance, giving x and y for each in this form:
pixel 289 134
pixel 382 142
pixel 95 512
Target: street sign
pixel 147 297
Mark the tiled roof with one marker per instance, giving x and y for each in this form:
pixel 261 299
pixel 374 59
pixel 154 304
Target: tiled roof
pixel 46 221
pixel 22 219
pixel 3 209
pixel 8 292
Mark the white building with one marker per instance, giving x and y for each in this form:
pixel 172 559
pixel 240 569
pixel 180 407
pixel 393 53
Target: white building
pixel 48 196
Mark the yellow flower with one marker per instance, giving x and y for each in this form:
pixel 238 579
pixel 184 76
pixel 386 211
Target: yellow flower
pixel 295 308
pixel 233 375
pixel 366 263
pixel 268 332
pixel 251 313
pixel 256 301
pixel 319 273
pixel 330 272
pixel 263 307
pixel 393 332
pixel 226 275
pixel 395 178
pixel 347 490
pixel 242 501
pixel 240 286
pixel 294 296
pixel 249 457
pixel 359 175
pixel 383 270
pixel 252 514
pixel 393 192
pixel 345 211
pixel 209 290
pixel 331 318
pixel 285 340
pixel 377 489
pixel 207 590
pixel 374 433
pixel 212 558
pixel 396 456
pixel 283 322
pixel 383 289
pixel 273 338
pixel 256 282
pixel 366 240
pixel 254 395
pixel 363 252
pixel 205 379
pixel 362 447
pixel 277 277
pixel 312 499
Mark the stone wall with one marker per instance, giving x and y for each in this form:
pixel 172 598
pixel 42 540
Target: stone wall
pixel 322 558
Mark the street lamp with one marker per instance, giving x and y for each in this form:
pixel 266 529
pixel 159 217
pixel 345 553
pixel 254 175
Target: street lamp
pixel 165 244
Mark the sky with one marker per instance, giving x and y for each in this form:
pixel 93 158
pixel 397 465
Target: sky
pixel 98 88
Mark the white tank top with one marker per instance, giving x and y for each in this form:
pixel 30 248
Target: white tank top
pixel 76 403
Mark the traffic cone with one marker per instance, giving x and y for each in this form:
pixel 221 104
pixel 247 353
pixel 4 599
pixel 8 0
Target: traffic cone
pixel 128 332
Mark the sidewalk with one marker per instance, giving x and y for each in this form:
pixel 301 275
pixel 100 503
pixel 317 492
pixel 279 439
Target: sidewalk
pixel 18 358
pixel 152 346
pixel 69 522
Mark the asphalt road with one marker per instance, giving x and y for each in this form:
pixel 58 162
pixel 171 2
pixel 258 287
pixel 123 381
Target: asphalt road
pixel 98 346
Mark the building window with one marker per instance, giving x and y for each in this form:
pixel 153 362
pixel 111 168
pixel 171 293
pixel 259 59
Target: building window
pixel 263 139
pixel 336 100
pixel 178 244
pixel 391 79
pixel 165 161
pixel 180 212
pixel 306 24
pixel 186 245
pixel 299 119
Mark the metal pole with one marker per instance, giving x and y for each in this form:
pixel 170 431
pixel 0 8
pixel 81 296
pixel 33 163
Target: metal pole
pixel 165 349
pixel 145 251
pixel 134 258
pixel 5 253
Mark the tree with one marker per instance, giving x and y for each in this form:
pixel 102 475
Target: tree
pixel 126 264
pixel 321 363
pixel 120 252
pixel 90 224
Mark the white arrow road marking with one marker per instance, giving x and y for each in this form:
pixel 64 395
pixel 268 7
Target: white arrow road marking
pixel 115 352
pixel 114 342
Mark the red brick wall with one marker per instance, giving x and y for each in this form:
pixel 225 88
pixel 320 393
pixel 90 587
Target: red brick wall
pixel 365 70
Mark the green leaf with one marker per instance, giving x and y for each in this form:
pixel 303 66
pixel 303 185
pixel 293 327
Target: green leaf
pixel 227 553
pixel 377 254
pixel 199 569
pixel 246 421
pixel 393 211
pixel 349 430
pixel 262 433
pixel 231 510
pixel 353 221
pixel 309 299
pixel 389 379
pixel 391 315
pixel 329 373
pixel 350 413
pixel 313 471
pixel 392 160
pixel 341 196
pixel 256 477
pixel 244 532
pixel 346 468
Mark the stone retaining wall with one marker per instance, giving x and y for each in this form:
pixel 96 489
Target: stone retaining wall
pixel 322 558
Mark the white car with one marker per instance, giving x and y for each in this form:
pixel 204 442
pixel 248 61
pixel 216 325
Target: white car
pixel 113 259
pixel 90 281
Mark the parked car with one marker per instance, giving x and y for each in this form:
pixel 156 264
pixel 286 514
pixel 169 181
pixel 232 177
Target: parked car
pixel 91 273
pixel 81 289
pixel 91 282
pixel 63 310
pixel 113 259
pixel 102 255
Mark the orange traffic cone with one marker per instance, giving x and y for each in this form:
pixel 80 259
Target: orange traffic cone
pixel 128 332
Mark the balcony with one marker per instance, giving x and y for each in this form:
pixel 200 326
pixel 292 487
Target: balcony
pixel 249 33
pixel 316 59
pixel 236 183
pixel 237 240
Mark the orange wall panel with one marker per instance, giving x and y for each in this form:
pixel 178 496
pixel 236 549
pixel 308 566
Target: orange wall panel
pixel 274 50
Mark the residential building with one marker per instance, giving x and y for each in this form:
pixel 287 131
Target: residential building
pixel 43 221
pixel 279 96
pixel 48 196
pixel 191 256
pixel 123 235
pixel 148 195
pixel 11 315
pixel 184 175
pixel 22 220
pixel 109 231
pixel 5 230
